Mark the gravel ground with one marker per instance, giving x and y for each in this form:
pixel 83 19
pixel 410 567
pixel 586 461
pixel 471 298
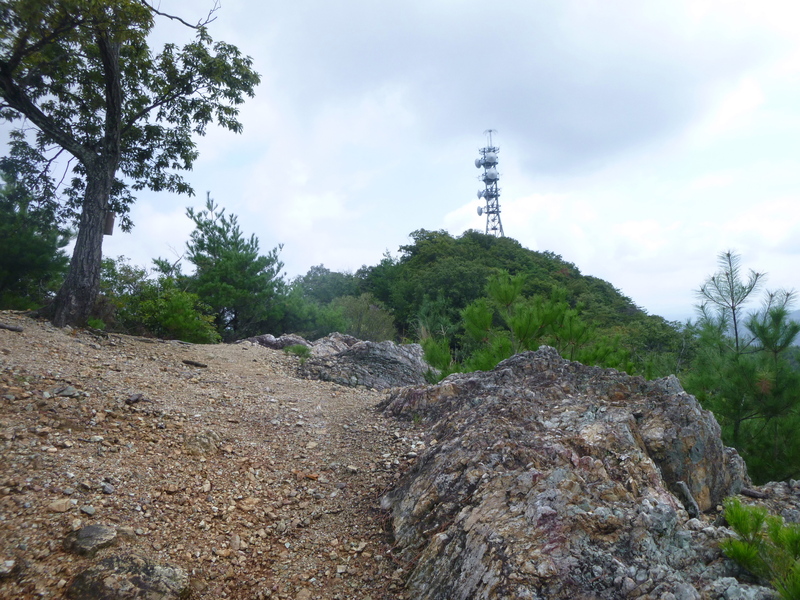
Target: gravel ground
pixel 215 458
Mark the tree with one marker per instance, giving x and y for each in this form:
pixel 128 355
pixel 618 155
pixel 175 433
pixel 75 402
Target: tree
pixel 81 73
pixel 239 284
pixel 727 293
pixel 32 259
pixel 743 370
pixel 322 285
pixel 505 322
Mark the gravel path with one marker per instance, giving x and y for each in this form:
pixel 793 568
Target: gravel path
pixel 216 459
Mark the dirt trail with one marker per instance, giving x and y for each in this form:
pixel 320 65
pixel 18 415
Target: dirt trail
pixel 213 458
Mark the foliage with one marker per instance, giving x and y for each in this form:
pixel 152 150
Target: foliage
pixel 322 285
pixel 365 318
pixel 659 347
pixel 32 260
pixel 159 308
pixel 79 74
pixel 306 317
pixel 298 350
pixel 743 371
pixel 505 322
pixel 437 276
pixel 240 285
pixel 766 546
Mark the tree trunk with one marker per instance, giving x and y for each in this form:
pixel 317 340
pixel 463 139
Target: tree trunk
pixel 75 299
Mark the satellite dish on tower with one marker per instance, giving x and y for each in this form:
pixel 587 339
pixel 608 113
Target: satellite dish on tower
pixel 480 211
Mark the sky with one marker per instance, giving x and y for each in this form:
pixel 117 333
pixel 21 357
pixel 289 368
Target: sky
pixel 638 138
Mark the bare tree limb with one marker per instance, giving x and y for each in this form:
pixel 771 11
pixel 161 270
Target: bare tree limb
pixel 209 18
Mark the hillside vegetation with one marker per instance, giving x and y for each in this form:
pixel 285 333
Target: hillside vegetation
pixel 471 301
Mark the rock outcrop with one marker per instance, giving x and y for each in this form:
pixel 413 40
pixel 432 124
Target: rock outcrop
pixel 377 365
pixel 550 479
pixel 346 360
pixel 130 577
pixel 277 343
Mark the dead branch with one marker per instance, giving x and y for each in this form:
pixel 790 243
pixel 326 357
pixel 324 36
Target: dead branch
pixel 209 18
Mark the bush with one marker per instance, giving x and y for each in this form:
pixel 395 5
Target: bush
pixel 766 547
pixel 133 303
pixel 298 350
pixel 365 317
pixel 171 313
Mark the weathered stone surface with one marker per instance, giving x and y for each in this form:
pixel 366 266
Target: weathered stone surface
pixel 378 365
pixel 129 577
pixel 202 443
pixel 88 540
pixel 279 343
pixel 550 479
pixel 332 344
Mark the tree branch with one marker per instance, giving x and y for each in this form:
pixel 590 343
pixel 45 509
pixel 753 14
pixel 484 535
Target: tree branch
pixel 18 100
pixel 200 24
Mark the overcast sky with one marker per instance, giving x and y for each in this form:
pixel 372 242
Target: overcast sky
pixel 638 139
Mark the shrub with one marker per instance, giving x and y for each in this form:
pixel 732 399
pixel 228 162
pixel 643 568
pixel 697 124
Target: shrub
pixel 298 350
pixel 136 304
pixel 766 547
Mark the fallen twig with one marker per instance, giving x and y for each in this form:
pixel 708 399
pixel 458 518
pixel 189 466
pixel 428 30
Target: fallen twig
pixel 194 363
pixel 751 493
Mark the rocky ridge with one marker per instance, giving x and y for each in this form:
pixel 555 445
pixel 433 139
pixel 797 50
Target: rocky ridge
pixel 349 361
pixel 550 479
pixel 217 471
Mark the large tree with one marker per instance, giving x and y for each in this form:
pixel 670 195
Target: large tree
pixel 80 78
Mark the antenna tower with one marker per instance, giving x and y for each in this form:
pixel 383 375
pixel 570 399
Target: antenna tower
pixel 490 177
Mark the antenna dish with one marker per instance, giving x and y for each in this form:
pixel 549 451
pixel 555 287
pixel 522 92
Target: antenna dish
pixel 478 162
pixel 480 211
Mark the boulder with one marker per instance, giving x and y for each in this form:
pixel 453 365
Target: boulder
pixel 332 344
pixel 550 479
pixel 88 540
pixel 378 365
pixel 130 577
pixel 279 343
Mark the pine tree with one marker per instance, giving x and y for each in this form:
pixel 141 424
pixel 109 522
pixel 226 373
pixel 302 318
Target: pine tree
pixel 239 284
pixel 743 370
pixel 32 259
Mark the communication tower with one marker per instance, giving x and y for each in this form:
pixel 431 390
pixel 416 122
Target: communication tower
pixel 491 194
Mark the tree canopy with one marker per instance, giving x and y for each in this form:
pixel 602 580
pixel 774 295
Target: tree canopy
pixel 81 81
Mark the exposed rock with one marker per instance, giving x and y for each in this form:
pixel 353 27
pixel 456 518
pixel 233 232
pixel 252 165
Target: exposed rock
pixel 279 343
pixel 7 567
pixel 332 344
pixel 88 540
pixel 378 365
pixel 127 578
pixel 550 479
pixel 202 443
pixel 61 505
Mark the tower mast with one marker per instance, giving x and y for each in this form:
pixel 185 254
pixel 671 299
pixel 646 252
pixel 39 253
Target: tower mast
pixel 491 193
